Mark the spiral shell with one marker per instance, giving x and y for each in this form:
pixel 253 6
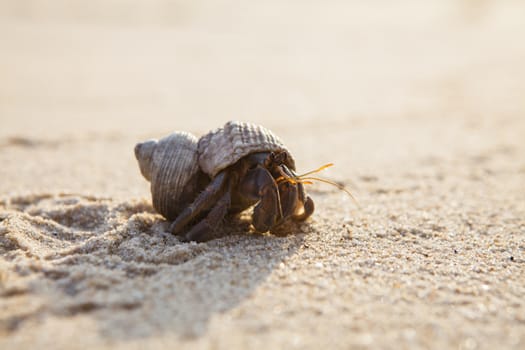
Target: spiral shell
pixel 171 165
pixel 225 146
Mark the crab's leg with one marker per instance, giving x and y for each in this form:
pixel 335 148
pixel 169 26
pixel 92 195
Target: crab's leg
pixel 306 201
pixel 290 191
pixel 205 200
pixel 259 183
pixel 308 210
pixel 204 230
pixel 289 199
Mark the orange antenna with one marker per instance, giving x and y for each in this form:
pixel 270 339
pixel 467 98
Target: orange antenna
pixel 317 170
pixel 308 180
pixel 333 183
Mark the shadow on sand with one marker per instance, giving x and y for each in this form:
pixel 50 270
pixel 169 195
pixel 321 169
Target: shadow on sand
pixel 115 262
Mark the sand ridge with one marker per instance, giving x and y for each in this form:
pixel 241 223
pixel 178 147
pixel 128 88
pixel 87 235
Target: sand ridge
pixel 81 254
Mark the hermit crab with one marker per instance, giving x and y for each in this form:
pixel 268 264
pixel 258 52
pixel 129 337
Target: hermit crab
pixel 230 169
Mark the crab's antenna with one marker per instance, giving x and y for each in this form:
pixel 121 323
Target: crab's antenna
pixel 307 180
pixel 341 187
pixel 316 170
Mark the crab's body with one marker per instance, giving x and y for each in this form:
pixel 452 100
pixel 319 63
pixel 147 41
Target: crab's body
pixel 244 162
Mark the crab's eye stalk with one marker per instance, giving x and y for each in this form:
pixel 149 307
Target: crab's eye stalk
pixel 283 157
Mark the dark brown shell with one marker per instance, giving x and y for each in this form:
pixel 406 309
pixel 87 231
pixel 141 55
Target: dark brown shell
pixel 225 146
pixel 171 165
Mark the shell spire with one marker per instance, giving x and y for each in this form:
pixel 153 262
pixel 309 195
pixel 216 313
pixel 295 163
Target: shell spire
pixel 171 165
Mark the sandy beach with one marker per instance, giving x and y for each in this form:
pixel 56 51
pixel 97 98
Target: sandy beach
pixel 420 106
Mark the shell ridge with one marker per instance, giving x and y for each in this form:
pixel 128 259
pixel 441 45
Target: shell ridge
pixel 174 167
pixel 223 147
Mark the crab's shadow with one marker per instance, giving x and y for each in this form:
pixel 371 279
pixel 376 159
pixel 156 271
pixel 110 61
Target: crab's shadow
pixel 215 277
pixel 115 263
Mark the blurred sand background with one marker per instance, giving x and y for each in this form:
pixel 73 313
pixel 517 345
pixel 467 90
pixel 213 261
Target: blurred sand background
pixel 420 104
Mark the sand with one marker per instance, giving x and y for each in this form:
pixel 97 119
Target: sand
pixel 420 106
